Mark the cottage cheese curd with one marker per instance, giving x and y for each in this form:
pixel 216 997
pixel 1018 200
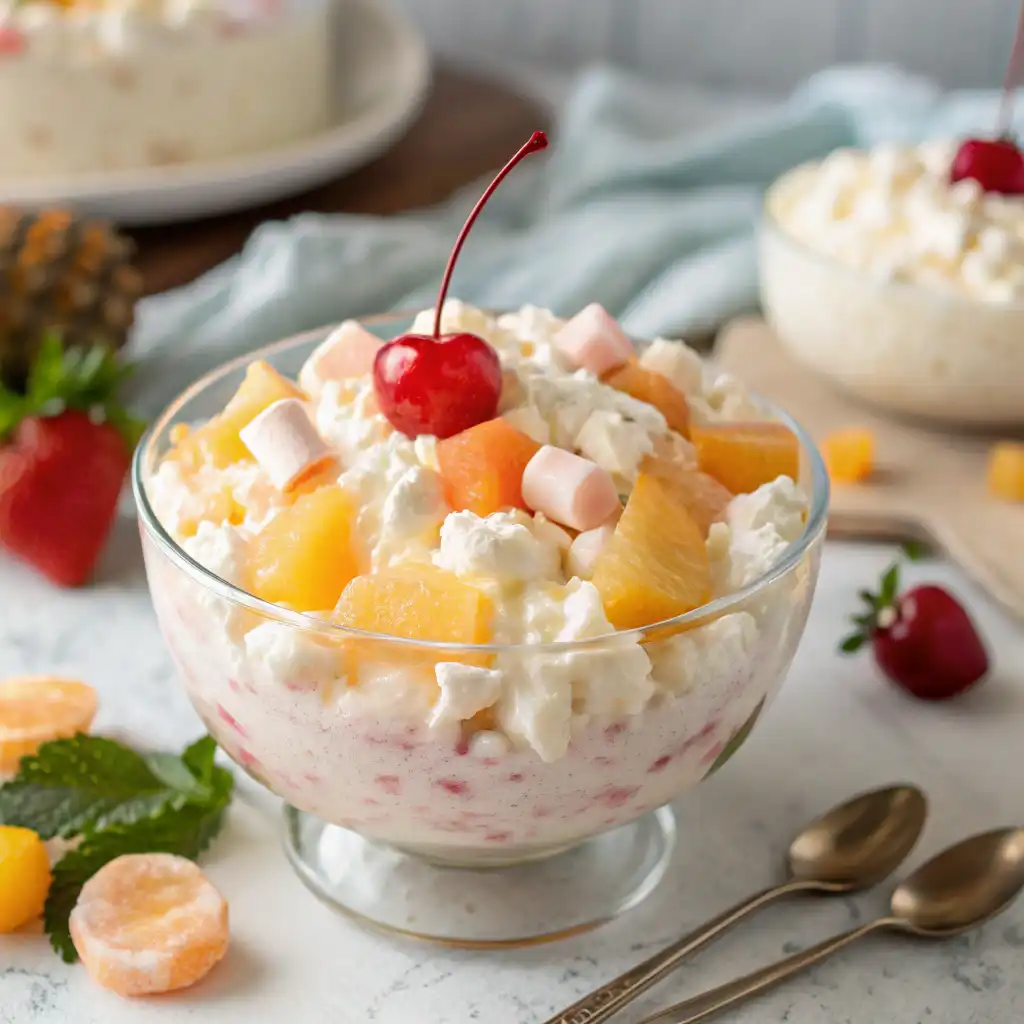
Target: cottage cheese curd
pixel 903 287
pixel 126 84
pixel 533 745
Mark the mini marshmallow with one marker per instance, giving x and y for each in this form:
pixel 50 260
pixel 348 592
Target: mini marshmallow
pixel 569 489
pixel 285 444
pixel 586 548
pixel 594 341
pixel 348 351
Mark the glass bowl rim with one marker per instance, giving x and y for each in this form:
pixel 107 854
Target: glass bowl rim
pixel 815 524
pixel 769 223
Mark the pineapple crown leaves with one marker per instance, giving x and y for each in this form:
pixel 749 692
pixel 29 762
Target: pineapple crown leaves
pixel 86 380
pixel 879 608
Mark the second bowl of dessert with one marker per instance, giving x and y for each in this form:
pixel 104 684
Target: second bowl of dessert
pixel 899 285
pixel 449 651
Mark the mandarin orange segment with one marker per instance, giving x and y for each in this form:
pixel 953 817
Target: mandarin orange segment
pixel 306 555
pixel 654 389
pixel 218 442
pixel 482 468
pixel 849 455
pixel 35 709
pixel 743 456
pixel 1006 471
pixel 148 923
pixel 702 496
pixel 24 877
pixel 656 564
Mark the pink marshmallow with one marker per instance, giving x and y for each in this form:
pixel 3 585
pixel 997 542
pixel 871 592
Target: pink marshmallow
pixel 594 341
pixel 285 444
pixel 569 489
pixel 586 548
pixel 348 351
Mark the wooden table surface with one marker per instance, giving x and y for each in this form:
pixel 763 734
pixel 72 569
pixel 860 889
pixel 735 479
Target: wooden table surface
pixel 468 126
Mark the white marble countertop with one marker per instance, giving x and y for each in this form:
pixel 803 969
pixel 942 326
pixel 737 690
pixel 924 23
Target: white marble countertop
pixel 836 729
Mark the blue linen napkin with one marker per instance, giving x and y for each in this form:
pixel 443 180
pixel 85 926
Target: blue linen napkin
pixel 633 208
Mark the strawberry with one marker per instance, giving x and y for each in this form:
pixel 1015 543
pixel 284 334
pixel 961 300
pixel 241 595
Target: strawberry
pixel 922 639
pixel 65 450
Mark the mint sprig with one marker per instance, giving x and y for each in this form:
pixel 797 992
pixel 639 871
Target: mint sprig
pixel 116 801
pixel 84 379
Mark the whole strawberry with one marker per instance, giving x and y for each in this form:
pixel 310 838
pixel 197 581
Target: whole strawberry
pixel 65 450
pixel 922 639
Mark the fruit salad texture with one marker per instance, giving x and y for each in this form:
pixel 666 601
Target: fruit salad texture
pixel 566 530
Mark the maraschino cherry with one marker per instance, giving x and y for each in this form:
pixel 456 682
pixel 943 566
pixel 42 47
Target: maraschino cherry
pixel 997 165
pixel 443 384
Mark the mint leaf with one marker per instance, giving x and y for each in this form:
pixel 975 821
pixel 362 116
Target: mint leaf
pixel 199 756
pixel 914 551
pixel 186 831
pixel 738 739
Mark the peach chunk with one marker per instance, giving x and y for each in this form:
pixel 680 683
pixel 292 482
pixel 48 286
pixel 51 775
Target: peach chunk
pixel 656 565
pixel 701 495
pixel 35 709
pixel 1006 471
pixel 306 555
pixel 149 922
pixel 419 602
pixel 654 389
pixel 24 877
pixel 218 442
pixel 743 456
pixel 849 455
pixel 482 468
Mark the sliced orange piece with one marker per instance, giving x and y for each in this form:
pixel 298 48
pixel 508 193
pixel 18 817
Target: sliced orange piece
pixel 218 441
pixel 703 496
pixel 24 877
pixel 654 389
pixel 482 468
pixel 35 709
pixel 1006 471
pixel 656 564
pixel 743 456
pixel 849 455
pixel 149 922
pixel 306 555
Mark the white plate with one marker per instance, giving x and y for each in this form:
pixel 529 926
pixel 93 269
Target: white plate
pixel 386 77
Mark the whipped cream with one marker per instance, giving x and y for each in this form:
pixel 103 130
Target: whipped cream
pixel 892 212
pixel 541 700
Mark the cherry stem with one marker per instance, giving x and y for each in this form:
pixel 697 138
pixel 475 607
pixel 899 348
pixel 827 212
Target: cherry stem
pixel 537 141
pixel 1014 70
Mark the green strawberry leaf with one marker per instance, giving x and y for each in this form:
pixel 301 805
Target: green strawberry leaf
pixel 853 643
pixel 890 586
pixel 185 831
pixel 915 551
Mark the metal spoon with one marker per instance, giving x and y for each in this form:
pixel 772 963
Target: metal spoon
pixel 954 892
pixel 853 846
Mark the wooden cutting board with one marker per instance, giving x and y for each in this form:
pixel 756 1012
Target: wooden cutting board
pixel 929 485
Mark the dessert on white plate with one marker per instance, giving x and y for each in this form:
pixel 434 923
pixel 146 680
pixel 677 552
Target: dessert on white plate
pixel 482 591
pixel 120 85
pixel 899 273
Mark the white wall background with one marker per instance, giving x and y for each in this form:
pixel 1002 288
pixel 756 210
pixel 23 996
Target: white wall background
pixel 744 44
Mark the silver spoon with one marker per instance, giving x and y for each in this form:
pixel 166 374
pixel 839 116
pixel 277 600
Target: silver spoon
pixel 853 846
pixel 954 892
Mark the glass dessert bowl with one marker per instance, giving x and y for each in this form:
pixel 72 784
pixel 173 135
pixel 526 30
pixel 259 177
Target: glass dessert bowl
pixel 899 287
pixel 408 766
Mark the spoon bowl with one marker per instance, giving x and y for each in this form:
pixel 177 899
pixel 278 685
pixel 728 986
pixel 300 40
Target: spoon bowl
pixel 861 842
pixel 962 886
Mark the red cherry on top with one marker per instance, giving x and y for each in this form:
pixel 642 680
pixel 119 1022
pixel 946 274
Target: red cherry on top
pixel 922 639
pixel 441 385
pixel 997 165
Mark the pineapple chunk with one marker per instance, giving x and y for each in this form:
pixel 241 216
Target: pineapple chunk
pixel 306 555
pixel 701 495
pixel 656 564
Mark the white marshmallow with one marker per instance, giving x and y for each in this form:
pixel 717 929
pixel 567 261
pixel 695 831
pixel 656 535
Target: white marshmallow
pixel 285 443
pixel 586 548
pixel 594 341
pixel 569 489
pixel 348 351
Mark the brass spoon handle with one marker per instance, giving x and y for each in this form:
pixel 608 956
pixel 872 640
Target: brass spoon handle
pixel 707 1004
pixel 602 1003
